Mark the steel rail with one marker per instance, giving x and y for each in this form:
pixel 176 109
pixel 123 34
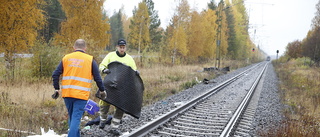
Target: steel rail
pixel 236 116
pixel 145 129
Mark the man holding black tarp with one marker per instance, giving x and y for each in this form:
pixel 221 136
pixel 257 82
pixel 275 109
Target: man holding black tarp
pixel 119 56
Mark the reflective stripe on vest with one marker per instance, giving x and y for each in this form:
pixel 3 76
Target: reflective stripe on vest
pixel 75 87
pixel 76 78
pixel 77 75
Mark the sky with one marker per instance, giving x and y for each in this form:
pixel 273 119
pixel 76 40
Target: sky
pixel 273 23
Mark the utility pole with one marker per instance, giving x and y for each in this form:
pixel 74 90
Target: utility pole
pixel 218 52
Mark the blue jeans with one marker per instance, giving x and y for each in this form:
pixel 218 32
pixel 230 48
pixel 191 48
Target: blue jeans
pixel 75 109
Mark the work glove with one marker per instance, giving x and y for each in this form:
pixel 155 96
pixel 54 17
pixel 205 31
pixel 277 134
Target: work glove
pixel 137 72
pixel 55 95
pixel 106 71
pixel 101 95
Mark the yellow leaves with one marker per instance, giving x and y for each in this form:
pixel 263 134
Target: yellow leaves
pixel 196 35
pixel 178 41
pixel 20 21
pixel 210 29
pixel 139 34
pixel 193 34
pixel 183 12
pixel 84 20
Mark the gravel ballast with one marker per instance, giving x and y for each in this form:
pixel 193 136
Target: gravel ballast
pixel 268 113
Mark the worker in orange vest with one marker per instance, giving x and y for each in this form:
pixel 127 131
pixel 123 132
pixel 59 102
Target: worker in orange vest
pixel 77 70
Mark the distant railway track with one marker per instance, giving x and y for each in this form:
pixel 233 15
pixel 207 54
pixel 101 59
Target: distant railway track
pixel 223 110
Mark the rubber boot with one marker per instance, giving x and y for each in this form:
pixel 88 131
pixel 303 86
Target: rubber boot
pixel 114 126
pixel 103 116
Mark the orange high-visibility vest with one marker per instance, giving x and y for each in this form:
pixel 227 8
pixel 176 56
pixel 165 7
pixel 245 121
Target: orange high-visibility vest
pixel 77 75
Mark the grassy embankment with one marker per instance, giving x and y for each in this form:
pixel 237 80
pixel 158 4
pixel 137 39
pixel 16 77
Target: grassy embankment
pixel 300 91
pixel 26 102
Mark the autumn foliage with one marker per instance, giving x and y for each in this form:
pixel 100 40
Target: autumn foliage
pixel 309 46
pixel 294 49
pixel 139 37
pixel 84 20
pixel 20 21
pixel 191 36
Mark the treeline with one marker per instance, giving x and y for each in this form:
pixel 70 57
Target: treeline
pixel 310 45
pixel 219 32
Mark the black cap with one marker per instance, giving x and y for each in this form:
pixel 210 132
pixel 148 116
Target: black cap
pixel 122 42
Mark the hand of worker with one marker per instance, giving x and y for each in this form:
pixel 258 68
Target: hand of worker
pixel 137 72
pixel 55 95
pixel 101 94
pixel 106 71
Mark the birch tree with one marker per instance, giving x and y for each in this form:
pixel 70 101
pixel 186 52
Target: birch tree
pixel 210 29
pixel 196 36
pixel 139 36
pixel 20 21
pixel 84 20
pixel 178 38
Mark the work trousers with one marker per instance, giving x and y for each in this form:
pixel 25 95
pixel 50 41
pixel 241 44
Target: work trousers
pixel 104 109
pixel 75 109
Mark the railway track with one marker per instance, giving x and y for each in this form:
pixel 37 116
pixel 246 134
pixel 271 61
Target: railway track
pixel 220 111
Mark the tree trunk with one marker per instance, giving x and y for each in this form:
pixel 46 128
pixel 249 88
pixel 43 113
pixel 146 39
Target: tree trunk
pixel 9 64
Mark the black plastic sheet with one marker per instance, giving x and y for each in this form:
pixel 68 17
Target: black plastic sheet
pixel 124 88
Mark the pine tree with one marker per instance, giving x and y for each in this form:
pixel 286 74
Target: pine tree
pixel 155 33
pixel 55 16
pixel 233 47
pixel 212 5
pixel 116 27
pixel 239 47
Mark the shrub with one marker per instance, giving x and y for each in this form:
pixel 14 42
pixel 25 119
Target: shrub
pixel 300 89
pixel 45 59
pixel 189 84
